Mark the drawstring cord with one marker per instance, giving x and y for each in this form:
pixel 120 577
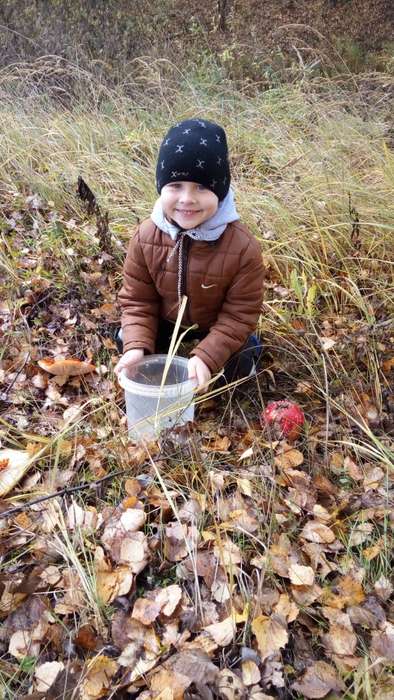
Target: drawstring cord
pixel 179 247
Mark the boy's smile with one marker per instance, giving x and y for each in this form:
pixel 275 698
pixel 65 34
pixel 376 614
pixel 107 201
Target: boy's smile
pixel 188 204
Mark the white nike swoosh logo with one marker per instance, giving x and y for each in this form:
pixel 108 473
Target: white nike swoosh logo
pixel 208 286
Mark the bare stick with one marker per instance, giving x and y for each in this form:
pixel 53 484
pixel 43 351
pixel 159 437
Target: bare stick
pixel 64 492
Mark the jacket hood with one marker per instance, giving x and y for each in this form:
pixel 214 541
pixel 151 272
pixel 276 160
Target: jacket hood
pixel 209 230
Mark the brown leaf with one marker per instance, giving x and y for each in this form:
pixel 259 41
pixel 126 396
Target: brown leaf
pixel 373 477
pixel 289 459
pixel 287 608
pixel 314 531
pixel 195 665
pixel 98 679
pixel 165 679
pixel 372 552
pixel 271 634
pixel 111 583
pixel 87 638
pixel 306 595
pixel 318 680
pixel 353 469
pixel 388 365
pixel 348 591
pixel 382 646
pixel 180 539
pixel 132 487
pixel 218 444
pixel 340 639
pixel 279 555
pixel 146 611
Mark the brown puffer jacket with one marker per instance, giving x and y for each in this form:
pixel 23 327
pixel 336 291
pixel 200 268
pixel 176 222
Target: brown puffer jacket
pixel 223 281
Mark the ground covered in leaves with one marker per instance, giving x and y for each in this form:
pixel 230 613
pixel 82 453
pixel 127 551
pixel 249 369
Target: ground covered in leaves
pixel 216 562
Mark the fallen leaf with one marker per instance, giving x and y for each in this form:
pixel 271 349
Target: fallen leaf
pixel 228 553
pixel 170 682
pixel 383 588
pixel 301 575
pixel 87 638
pixel 348 591
pixel 271 634
pixel 382 646
pixel 327 343
pixel 229 686
pixel 250 673
pixel 77 518
pixel 319 680
pixel 314 531
pixel 146 611
pixel 98 679
pixel 222 632
pixel 111 582
pixel 289 458
pixel 360 534
pixel 306 595
pixel 218 444
pixel 340 639
pixel 353 469
pixel 373 477
pixel 195 665
pixel 46 674
pixel 134 551
pixel 287 608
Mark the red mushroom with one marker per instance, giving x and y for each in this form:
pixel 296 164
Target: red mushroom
pixel 284 419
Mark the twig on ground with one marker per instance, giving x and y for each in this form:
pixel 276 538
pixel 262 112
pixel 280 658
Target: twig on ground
pixel 63 492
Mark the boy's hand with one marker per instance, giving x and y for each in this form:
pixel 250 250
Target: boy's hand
pixel 197 369
pixel 130 358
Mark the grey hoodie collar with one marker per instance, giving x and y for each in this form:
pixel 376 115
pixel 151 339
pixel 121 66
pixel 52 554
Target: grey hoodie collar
pixel 209 230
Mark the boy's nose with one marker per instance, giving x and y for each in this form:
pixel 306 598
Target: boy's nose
pixel 187 195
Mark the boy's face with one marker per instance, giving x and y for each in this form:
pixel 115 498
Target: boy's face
pixel 188 204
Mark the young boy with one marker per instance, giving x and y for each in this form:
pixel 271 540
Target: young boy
pixel 193 244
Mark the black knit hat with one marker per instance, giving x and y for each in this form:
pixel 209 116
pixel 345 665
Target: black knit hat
pixel 195 150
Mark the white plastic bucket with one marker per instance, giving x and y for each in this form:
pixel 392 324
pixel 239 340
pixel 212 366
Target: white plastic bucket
pixel 151 407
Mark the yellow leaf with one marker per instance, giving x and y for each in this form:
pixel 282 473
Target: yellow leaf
pixel 250 673
pixel 271 634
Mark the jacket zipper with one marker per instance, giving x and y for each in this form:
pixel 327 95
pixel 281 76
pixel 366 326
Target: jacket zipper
pixel 185 260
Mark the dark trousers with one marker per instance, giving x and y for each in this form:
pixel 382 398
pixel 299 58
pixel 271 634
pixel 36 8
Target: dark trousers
pixel 241 364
